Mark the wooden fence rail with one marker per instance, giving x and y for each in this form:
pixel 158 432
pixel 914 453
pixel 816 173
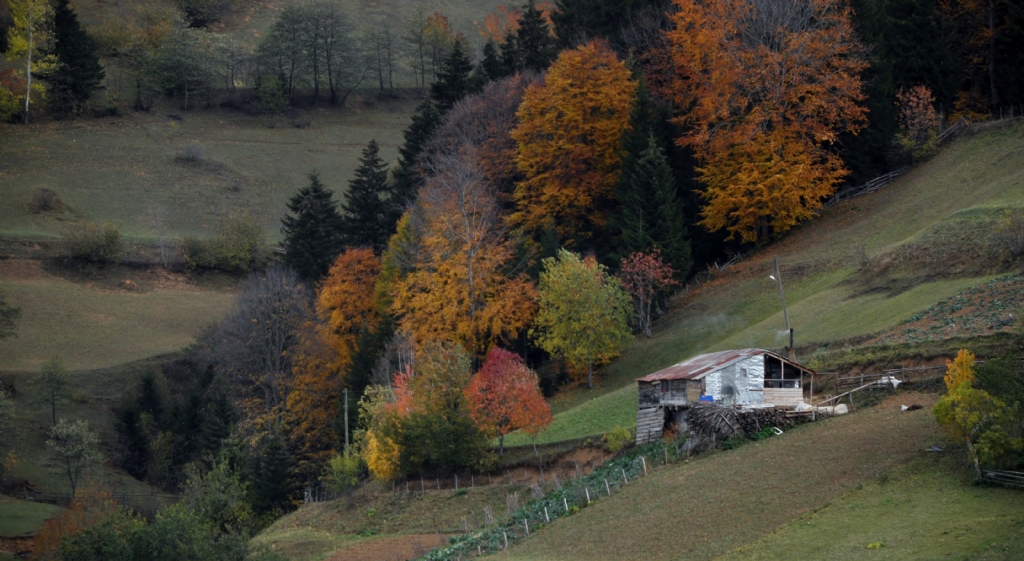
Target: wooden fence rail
pixel 1015 478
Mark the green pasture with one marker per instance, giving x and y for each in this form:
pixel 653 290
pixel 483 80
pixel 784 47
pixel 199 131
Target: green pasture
pixel 19 519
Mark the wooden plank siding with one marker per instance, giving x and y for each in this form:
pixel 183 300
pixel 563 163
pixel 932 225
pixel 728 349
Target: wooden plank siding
pixel 650 423
pixel 783 397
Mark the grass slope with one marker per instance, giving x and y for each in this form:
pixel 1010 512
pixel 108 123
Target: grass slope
pixel 125 169
pixel 863 267
pixel 925 509
pixel 97 325
pixel 19 519
pixel 713 505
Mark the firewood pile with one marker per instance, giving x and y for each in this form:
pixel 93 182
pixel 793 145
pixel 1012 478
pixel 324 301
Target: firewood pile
pixel 721 423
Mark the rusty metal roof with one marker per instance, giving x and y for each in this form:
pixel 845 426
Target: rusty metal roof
pixel 701 365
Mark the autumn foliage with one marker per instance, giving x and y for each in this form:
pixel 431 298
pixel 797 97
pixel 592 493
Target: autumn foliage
pixel 89 506
pixel 569 142
pixel 504 396
pixel 766 87
pixel 644 275
pixel 465 285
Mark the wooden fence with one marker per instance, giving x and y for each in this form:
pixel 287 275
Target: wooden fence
pixel 869 187
pixel 1015 478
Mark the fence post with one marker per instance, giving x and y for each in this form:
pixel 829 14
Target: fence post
pixel 624 478
pixel 546 517
pixel 566 503
pixel 527 524
pixel 607 487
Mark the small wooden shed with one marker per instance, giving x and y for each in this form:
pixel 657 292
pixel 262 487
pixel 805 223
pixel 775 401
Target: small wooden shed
pixel 744 377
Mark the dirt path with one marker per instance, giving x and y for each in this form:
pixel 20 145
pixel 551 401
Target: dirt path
pixel 710 506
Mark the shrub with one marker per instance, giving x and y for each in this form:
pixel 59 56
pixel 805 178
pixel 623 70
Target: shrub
pixel 192 153
pixel 44 200
pixel 238 246
pixel 89 242
pixel 343 472
pixel 1011 232
pixel 617 439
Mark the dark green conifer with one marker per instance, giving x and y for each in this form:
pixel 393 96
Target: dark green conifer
pixel 492 65
pixel 364 210
pixel 272 476
pixel 651 212
pixel 78 72
pixel 312 233
pixel 405 177
pixel 454 80
pixel 534 44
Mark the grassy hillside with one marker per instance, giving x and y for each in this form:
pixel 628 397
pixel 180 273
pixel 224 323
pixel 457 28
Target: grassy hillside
pixel 126 170
pixel 862 268
pixel 93 323
pixel 713 505
pixel 921 510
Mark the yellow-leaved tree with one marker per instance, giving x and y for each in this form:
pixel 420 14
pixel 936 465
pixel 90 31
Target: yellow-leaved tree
pixel 569 143
pixel 29 38
pixel 765 88
pixel 466 285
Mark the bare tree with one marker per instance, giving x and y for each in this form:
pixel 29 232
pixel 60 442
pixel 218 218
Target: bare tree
pixel 384 45
pixel 416 44
pixel 399 353
pixel 252 344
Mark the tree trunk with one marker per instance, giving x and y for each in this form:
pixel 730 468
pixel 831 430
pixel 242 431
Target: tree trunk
pixel 501 445
pixel 28 69
pixel 992 53
pixel 590 375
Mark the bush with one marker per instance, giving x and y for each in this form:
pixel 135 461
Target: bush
pixel 192 153
pixel 343 472
pixel 89 242
pixel 238 246
pixel 617 439
pixel 45 200
pixel 1011 232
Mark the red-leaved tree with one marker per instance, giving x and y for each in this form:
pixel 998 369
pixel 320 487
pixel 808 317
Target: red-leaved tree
pixel 504 396
pixel 643 275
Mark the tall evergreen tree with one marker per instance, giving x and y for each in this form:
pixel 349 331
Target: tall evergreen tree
pixel 406 178
pixel 78 72
pixel 652 214
pixel 454 80
pixel 492 65
pixel 364 210
pixel 272 476
pixel 313 235
pixel 535 46
pixel 651 209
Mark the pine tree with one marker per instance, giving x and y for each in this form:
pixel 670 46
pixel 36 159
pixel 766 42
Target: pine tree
pixel 578 21
pixel 272 477
pixel 454 80
pixel 364 210
pixel 492 65
pixel 78 72
pixel 313 236
pixel 651 212
pixel 406 178
pixel 534 44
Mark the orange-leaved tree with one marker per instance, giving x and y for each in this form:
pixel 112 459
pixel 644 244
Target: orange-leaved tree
pixel 569 142
pixel 504 396
pixel 765 88
pixel 643 275
pixel 346 306
pixel 347 299
pixel 89 506
pixel 466 286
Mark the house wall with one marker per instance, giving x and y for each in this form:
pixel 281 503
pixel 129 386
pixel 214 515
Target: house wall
pixel 783 397
pixel 650 423
pixel 650 394
pixel 739 383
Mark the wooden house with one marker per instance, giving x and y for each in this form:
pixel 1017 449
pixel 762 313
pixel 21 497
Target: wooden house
pixel 744 377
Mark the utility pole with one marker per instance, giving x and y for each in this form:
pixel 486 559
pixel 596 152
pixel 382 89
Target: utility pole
pixel 345 391
pixel 782 296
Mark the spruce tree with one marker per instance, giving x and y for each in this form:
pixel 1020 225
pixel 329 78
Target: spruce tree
pixel 535 44
pixel 651 212
pixel 492 65
pixel 78 72
pixel 406 179
pixel 454 80
pixel 272 476
pixel 578 21
pixel 364 210
pixel 313 233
